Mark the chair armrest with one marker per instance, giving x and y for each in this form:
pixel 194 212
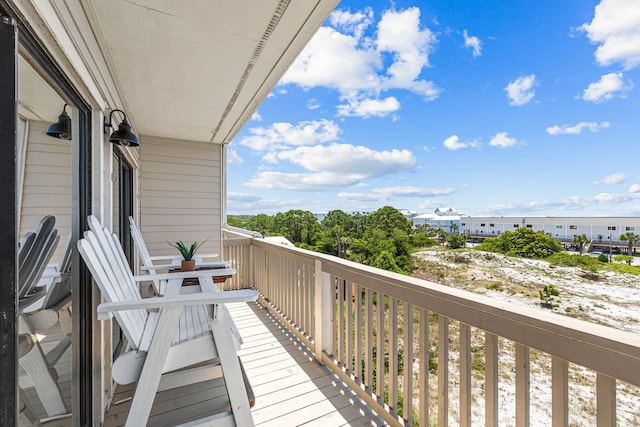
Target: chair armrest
pixel 203 298
pixel 178 257
pixel 186 274
pixel 219 264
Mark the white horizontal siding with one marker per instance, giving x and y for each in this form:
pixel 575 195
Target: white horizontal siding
pixel 180 194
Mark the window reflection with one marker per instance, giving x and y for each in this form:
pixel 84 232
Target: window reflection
pixel 44 200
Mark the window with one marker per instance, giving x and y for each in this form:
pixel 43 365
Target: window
pixel 515 226
pixel 558 227
pixel 529 226
pixel 482 225
pixel 629 229
pixel 611 228
pixel 492 225
pixel 463 224
pixel 573 227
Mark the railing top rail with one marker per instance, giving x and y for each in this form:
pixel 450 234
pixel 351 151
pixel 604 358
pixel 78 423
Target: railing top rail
pixel 604 349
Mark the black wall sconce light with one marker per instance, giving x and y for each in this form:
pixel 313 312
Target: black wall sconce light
pixel 124 135
pixel 62 128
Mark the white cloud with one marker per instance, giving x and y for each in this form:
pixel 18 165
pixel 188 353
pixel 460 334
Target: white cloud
pixel 614 178
pixel 313 104
pixel 577 128
pixel 256 117
pixel 369 107
pixel 474 43
pixel 361 67
pixel 233 158
pixel 355 23
pixel 502 139
pixel 282 135
pixel 242 197
pixel 606 88
pixel 387 193
pixel 520 91
pixel 331 167
pixel 635 188
pixel 252 204
pixel 302 181
pixel 345 158
pixel 453 143
pixel 399 33
pixel 616 29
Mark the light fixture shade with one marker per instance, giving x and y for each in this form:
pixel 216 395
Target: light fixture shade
pixel 124 135
pixel 62 128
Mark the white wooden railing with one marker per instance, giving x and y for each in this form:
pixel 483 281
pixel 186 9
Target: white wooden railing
pixel 505 364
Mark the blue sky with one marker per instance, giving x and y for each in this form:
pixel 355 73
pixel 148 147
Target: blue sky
pixel 528 107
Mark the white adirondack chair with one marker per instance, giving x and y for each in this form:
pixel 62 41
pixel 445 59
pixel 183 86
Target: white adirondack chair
pixel 186 330
pixel 150 264
pixel 34 253
pixel 35 250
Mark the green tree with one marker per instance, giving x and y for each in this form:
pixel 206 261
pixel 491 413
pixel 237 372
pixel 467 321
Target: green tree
pixel 631 238
pixel 581 240
pixel 523 242
pixel 237 221
pixel 262 223
pixel 339 229
pixel 455 240
pixel 300 227
pixel 385 230
pixel 386 261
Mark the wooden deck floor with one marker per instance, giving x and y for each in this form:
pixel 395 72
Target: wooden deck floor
pixel 291 389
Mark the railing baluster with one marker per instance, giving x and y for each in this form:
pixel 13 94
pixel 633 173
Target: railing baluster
pixel 349 338
pixel 423 373
pixel 380 346
pixel 443 370
pixel 393 354
pixel 559 392
pixel 358 368
pixel 491 380
pixel 606 400
pixel 522 385
pixel 340 354
pixel 465 375
pixel 368 343
pixel 407 371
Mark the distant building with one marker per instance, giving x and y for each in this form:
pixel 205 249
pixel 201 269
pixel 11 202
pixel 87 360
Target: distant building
pixel 597 229
pixel 601 231
pixel 444 218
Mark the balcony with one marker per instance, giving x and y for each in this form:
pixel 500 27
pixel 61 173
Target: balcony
pixel 311 353
pixel 506 364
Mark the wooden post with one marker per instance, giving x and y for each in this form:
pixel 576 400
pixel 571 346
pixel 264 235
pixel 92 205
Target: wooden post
pixel 323 311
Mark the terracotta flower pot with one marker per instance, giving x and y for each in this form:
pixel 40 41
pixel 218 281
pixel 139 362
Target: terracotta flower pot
pixel 189 265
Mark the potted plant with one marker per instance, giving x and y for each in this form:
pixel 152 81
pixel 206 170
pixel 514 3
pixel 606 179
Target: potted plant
pixel 187 252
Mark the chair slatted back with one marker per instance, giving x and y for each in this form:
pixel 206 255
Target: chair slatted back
pixel 61 291
pixel 140 244
pixel 103 254
pixel 35 252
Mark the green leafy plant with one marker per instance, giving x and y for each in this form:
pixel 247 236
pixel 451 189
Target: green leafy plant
pixel 187 252
pixel 547 293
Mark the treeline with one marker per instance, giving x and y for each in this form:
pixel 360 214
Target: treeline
pixel 383 239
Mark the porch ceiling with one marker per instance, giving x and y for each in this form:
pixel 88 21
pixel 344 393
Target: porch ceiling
pixel 197 70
